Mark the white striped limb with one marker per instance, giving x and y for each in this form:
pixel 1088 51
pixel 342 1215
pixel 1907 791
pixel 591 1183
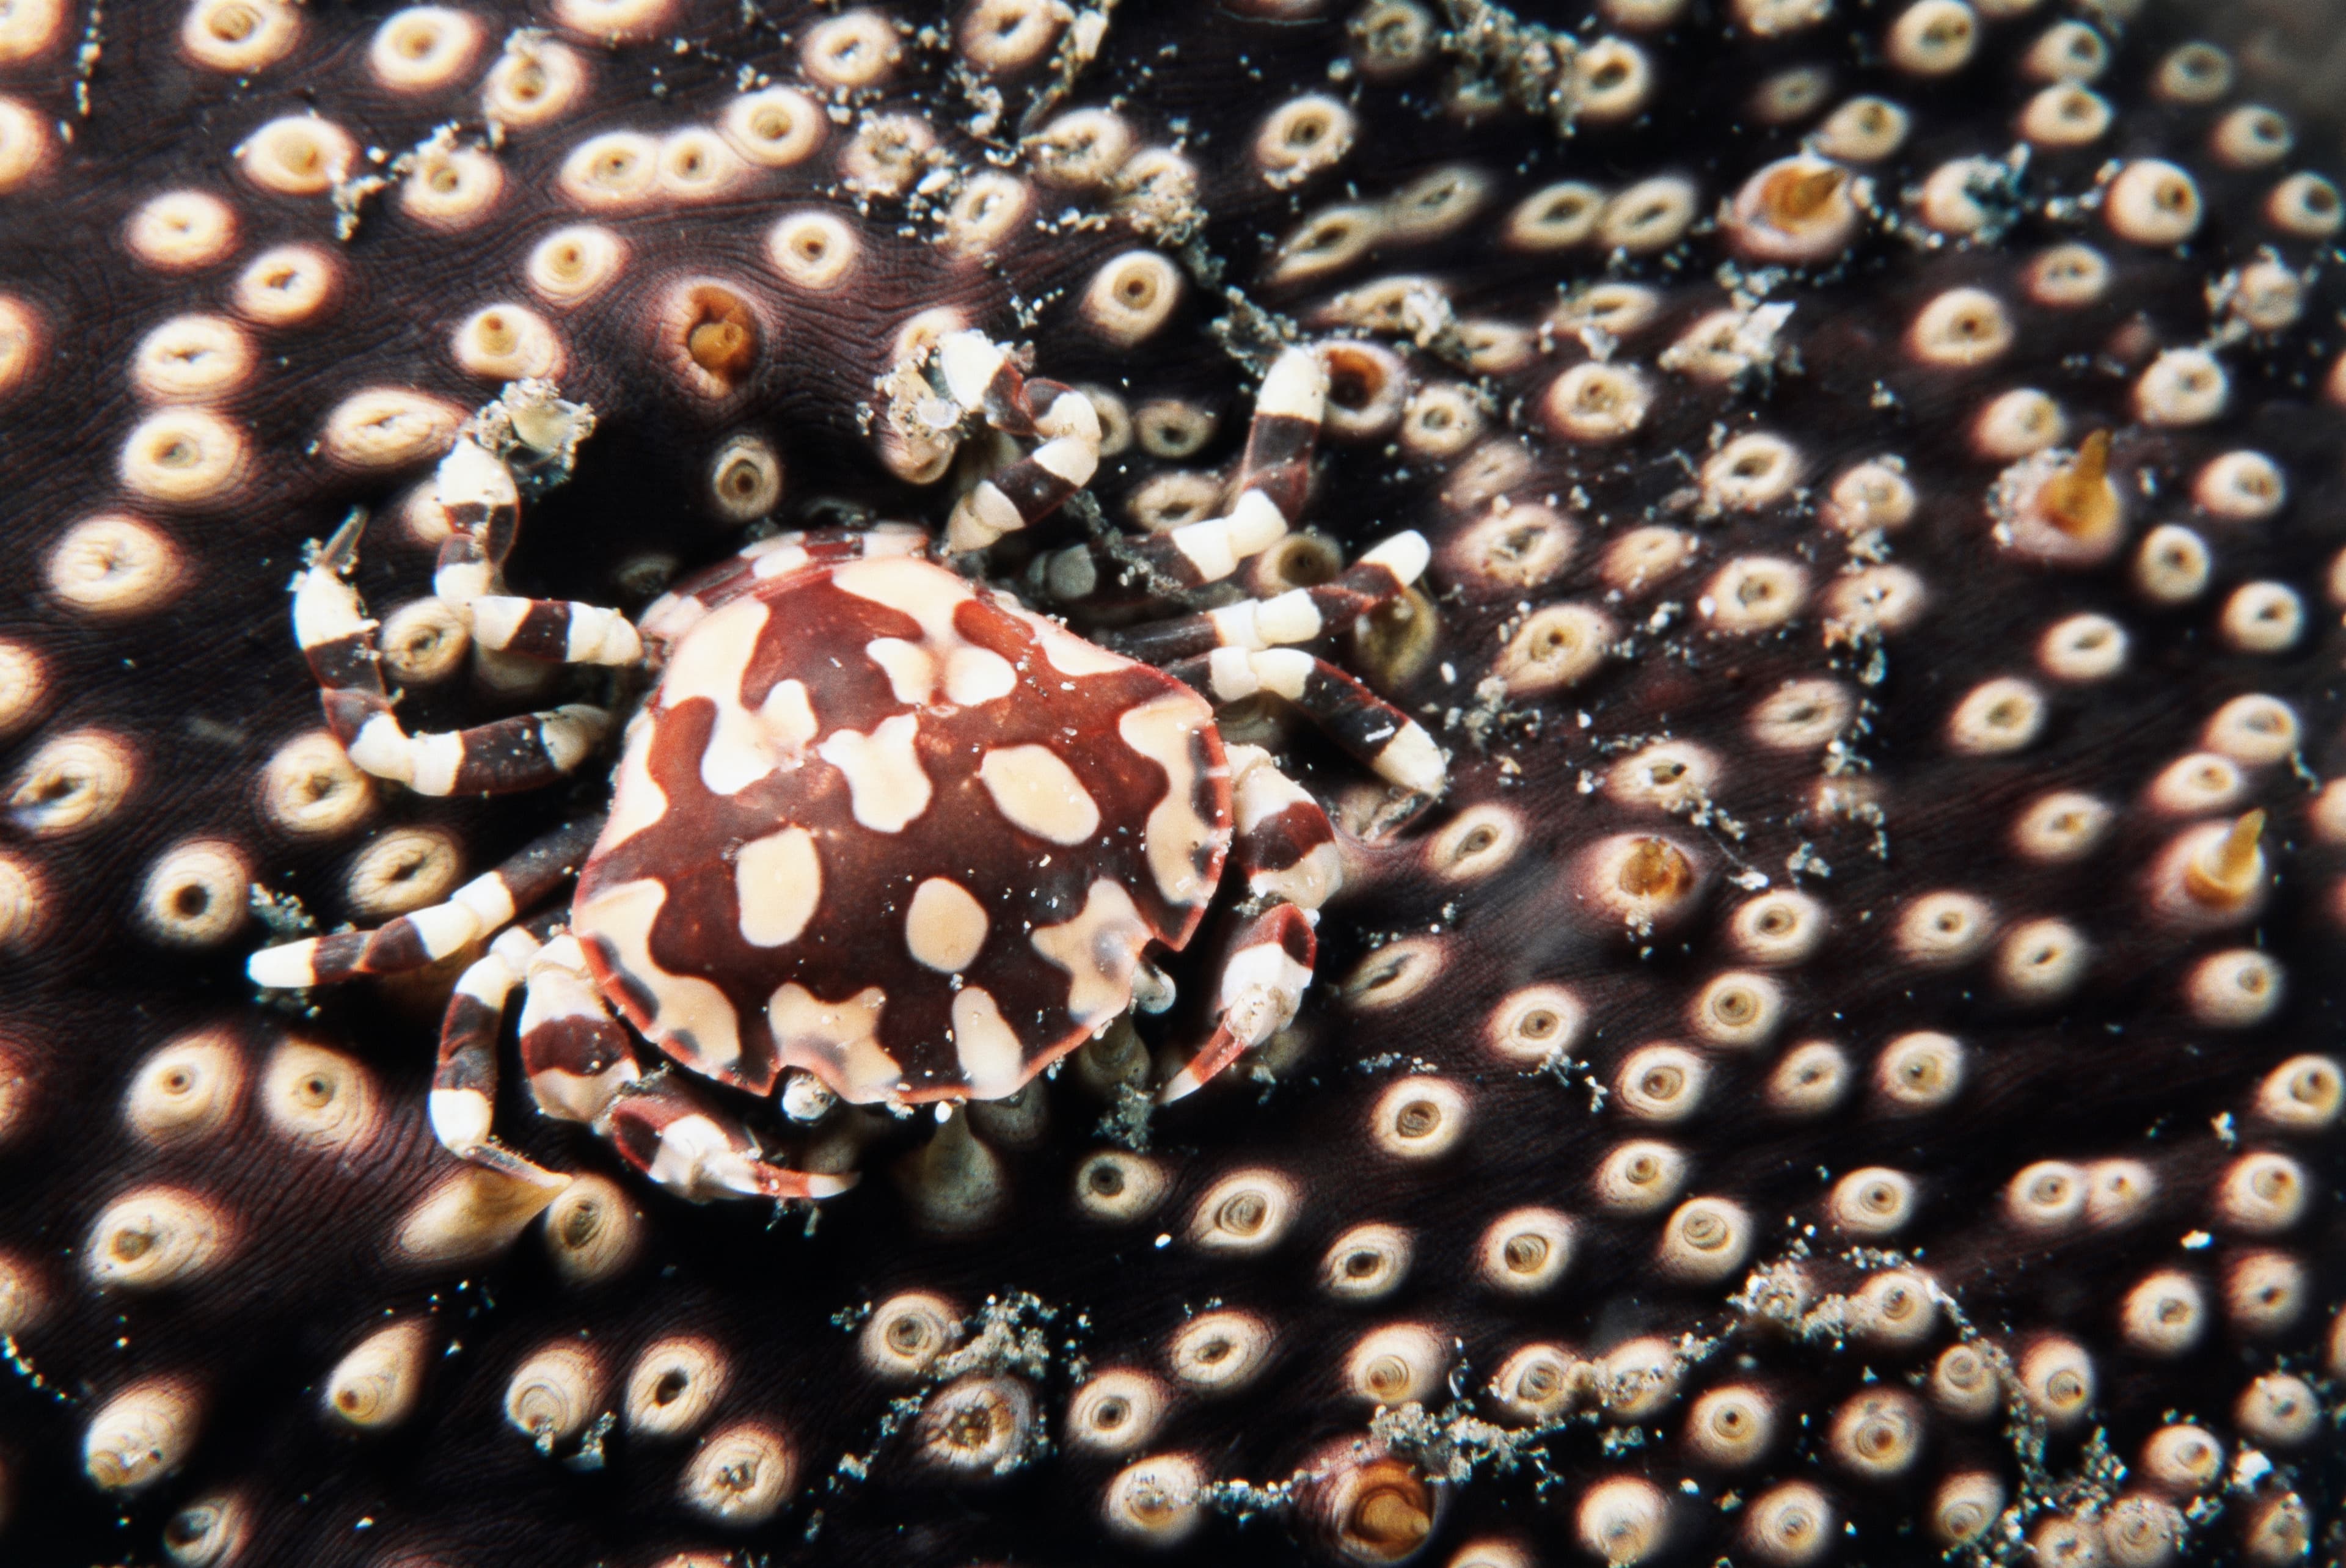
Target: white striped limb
pixel 1297 616
pixel 462 1105
pixel 1264 972
pixel 1285 847
pixel 1272 478
pixel 425 936
pixel 980 377
pixel 526 751
pixel 664 1129
pixel 477 493
pixel 1393 745
pixel 575 1053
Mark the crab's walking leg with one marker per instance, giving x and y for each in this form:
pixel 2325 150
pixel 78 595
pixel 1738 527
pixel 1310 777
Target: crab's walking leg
pixel 1298 615
pixel 1272 478
pixel 1356 718
pixel 1286 849
pixel 477 494
pixel 1283 843
pixel 1285 429
pixel 330 625
pixel 505 757
pixel 662 1128
pixel 430 934
pixel 575 1053
pixel 338 639
pixel 1263 983
pixel 462 1102
pixel 560 631
pixel 978 374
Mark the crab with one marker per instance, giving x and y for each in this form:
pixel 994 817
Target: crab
pixel 878 832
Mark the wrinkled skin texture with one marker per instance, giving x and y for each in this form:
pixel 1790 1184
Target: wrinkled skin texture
pixel 199 683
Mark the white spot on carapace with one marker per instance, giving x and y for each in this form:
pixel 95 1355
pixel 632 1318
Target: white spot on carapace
pixel 637 803
pixel 788 716
pixel 975 674
pixel 1040 793
pixel 911 669
pixel 1165 729
pixel 921 589
pixel 778 880
pixel 689 1015
pixel 746 745
pixel 931 596
pixel 885 784
pixel 945 927
pixel 993 1063
pixel 1099 949
pixel 1069 654
pixel 836 1040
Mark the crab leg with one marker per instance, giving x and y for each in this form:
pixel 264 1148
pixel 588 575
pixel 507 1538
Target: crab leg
pixel 504 757
pixel 463 1095
pixel 560 631
pixel 1356 718
pixel 477 493
pixel 1298 615
pixel 483 505
pixel 430 934
pixel 664 1130
pixel 1286 849
pixel 330 625
pixel 1272 478
pixel 575 1053
pixel 979 374
pixel 1287 412
pixel 1262 983
pixel 1283 843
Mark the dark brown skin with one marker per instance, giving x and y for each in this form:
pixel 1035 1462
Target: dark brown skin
pixel 698 341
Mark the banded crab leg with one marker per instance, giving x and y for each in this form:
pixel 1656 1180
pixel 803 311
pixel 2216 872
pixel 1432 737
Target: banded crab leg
pixel 665 1130
pixel 979 376
pixel 462 1100
pixel 1286 849
pixel 427 935
pixel 477 493
pixel 1272 477
pixel 575 1054
pixel 1297 616
pixel 581 1068
pixel 335 635
pixel 1393 745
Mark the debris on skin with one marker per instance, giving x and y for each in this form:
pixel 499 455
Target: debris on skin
pixel 534 430
pixel 1879 468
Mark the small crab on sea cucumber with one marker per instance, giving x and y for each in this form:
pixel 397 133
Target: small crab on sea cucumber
pixel 878 832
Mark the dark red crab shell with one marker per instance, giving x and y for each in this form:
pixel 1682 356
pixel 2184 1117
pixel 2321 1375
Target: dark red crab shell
pixel 886 825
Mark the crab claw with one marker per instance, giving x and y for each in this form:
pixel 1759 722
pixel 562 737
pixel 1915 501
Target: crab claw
pixel 1263 984
pixel 699 1153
